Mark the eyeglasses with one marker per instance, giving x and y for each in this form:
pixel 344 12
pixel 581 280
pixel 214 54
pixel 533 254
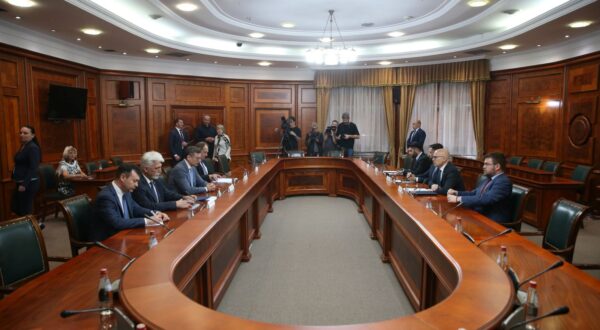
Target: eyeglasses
pixel 488 164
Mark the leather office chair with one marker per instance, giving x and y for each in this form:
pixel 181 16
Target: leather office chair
pixel 22 252
pixel 517 200
pixel 257 157
pixel 224 164
pixel 117 161
pixel 518 315
pixel 90 168
pixel 295 153
pixel 379 157
pixel 334 153
pixel 515 160
pixel 104 163
pixel 78 214
pixel 563 225
pixel 535 163
pixel 551 167
pixel 49 194
pixel 407 161
pixel 581 173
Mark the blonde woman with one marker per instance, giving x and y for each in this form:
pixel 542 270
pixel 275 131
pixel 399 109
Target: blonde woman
pixel 222 144
pixel 68 168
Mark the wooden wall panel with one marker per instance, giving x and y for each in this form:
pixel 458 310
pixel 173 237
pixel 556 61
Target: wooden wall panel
pixel 537 130
pixel 237 121
pixel 307 109
pixel 191 92
pixel 93 147
pixel 267 120
pixel 497 114
pixel 269 103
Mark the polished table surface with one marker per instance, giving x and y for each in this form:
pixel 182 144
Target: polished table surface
pixel 152 289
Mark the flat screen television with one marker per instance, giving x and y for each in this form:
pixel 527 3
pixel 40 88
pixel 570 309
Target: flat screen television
pixel 66 102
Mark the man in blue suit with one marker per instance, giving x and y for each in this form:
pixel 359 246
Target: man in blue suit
pixel 178 138
pixel 416 136
pixel 185 178
pixel 115 210
pixel 152 193
pixel 492 197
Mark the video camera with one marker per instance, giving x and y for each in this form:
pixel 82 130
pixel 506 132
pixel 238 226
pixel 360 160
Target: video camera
pixel 285 126
pixel 330 129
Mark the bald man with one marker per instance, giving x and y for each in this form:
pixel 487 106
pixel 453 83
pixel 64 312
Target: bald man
pixel 206 133
pixel 444 175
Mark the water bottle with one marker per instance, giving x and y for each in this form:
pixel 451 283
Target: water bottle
pixel 502 259
pixel 152 241
pixel 105 298
pixel 458 226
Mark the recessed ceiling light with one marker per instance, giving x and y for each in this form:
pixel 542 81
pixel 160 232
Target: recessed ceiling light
pixel 186 6
pixel 508 47
pixel 478 3
pixel 454 56
pixel 406 61
pixel 579 24
pixel 239 64
pixel 78 39
pixel 124 53
pixel 365 64
pixel 156 56
pixel 99 47
pixel 92 32
pixel 53 30
pixel 17 17
pixel 264 63
pixel 326 39
pixel 216 62
pixel 152 50
pixel 539 45
pixel 385 63
pixel 367 24
pixel 22 3
pixel 395 34
pixel 503 52
pixel 187 59
pixel 256 35
pixel 288 25
pixel 567 36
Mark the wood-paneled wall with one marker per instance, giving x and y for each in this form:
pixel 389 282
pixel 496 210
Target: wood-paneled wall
pixel 250 111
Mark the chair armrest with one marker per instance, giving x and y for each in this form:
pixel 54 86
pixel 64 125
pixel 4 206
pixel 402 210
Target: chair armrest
pixel 6 289
pixel 59 259
pixel 587 266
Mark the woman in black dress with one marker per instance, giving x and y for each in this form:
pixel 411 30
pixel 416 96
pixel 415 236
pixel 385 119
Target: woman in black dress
pixel 25 173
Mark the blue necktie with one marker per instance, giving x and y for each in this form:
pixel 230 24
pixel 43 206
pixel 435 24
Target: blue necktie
pixel 154 190
pixel 125 208
pixel 192 177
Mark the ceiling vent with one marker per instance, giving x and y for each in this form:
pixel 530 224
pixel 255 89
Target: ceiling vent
pixel 155 16
pixel 110 50
pixel 478 51
pixel 177 54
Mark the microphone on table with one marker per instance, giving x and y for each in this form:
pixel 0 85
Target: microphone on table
pixel 558 311
pixel 67 313
pixel 502 233
pixel 522 295
pixel 102 245
pixel 443 215
pixel 549 268
pixel 117 283
pixel 162 224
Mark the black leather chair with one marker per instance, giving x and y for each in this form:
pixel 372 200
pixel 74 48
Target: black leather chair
pixel 90 168
pixel 22 253
pixel 515 160
pixel 78 215
pixel 535 163
pixel 116 160
pixel 224 165
pixel 295 153
pixel 48 195
pixel 551 167
pixel 257 157
pixel 379 157
pixel 334 153
pixel 407 161
pixel 517 200
pixel 104 163
pixel 563 226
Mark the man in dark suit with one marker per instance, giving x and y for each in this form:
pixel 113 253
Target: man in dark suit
pixel 178 138
pixel 206 133
pixel 492 197
pixel 152 193
pixel 114 208
pixel 185 178
pixel 444 175
pixel 432 148
pixel 416 136
pixel 421 162
pixel 202 168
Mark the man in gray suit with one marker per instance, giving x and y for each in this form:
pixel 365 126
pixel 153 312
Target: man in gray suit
pixel 185 178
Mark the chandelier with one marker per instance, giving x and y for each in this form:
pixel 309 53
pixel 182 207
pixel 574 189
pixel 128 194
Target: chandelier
pixel 330 55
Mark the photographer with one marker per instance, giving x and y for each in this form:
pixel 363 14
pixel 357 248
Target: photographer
pixel 347 132
pixel 290 134
pixel 314 141
pixel 330 143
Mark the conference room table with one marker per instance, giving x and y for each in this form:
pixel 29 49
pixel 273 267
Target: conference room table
pixel 450 282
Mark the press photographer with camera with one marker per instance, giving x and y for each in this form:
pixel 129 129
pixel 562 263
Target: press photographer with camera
pixel 347 132
pixel 314 141
pixel 290 134
pixel 330 142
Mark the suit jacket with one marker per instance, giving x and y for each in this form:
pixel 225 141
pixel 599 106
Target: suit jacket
pixel 108 216
pixel 450 179
pixel 175 142
pixel 204 174
pixel 202 132
pixel 144 195
pixel 420 165
pixel 417 137
pixel 27 161
pixel 179 179
pixel 494 202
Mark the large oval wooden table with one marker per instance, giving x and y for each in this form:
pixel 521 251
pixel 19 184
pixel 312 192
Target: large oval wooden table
pixel 450 282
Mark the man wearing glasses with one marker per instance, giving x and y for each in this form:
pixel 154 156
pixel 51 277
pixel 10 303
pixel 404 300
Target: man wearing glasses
pixel 492 197
pixel 443 175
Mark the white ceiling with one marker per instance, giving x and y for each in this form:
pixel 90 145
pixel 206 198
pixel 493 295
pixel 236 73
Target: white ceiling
pixel 434 31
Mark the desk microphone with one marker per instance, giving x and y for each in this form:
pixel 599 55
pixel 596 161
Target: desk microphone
pixel 66 313
pixel 502 233
pixel 102 245
pixel 469 237
pixel 551 267
pixel 443 215
pixel 162 224
pixel 559 311
pixel 117 283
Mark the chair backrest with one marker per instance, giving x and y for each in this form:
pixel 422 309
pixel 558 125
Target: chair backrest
pixel 116 160
pixel 551 167
pixel 581 173
pixel 295 153
pixel 407 161
pixel 91 167
pixel 513 318
pixel 517 201
pixel 224 164
pixel 210 165
pixel 535 163
pixel 78 213
pixel 563 225
pixel 379 157
pixel 257 157
pixel 22 251
pixel 48 176
pixel 515 160
pixel 334 153
pixel 104 163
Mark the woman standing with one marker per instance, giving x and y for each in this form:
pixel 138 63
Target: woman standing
pixel 25 173
pixel 68 168
pixel 222 144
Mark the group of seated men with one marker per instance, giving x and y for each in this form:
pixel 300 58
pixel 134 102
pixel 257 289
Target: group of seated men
pixel 491 198
pixel 137 197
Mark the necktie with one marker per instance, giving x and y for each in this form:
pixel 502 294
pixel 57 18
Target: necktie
pixel 125 208
pixel 485 187
pixel 154 190
pixel 439 177
pixel 180 134
pixel 204 169
pixel 411 136
pixel 192 177
pixel 436 179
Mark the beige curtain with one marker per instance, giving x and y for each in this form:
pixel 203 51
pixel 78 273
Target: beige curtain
pixel 390 116
pixel 407 102
pixel 478 110
pixel 322 107
pixel 355 78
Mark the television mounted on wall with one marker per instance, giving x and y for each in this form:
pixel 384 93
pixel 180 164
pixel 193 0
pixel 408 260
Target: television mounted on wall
pixel 66 102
